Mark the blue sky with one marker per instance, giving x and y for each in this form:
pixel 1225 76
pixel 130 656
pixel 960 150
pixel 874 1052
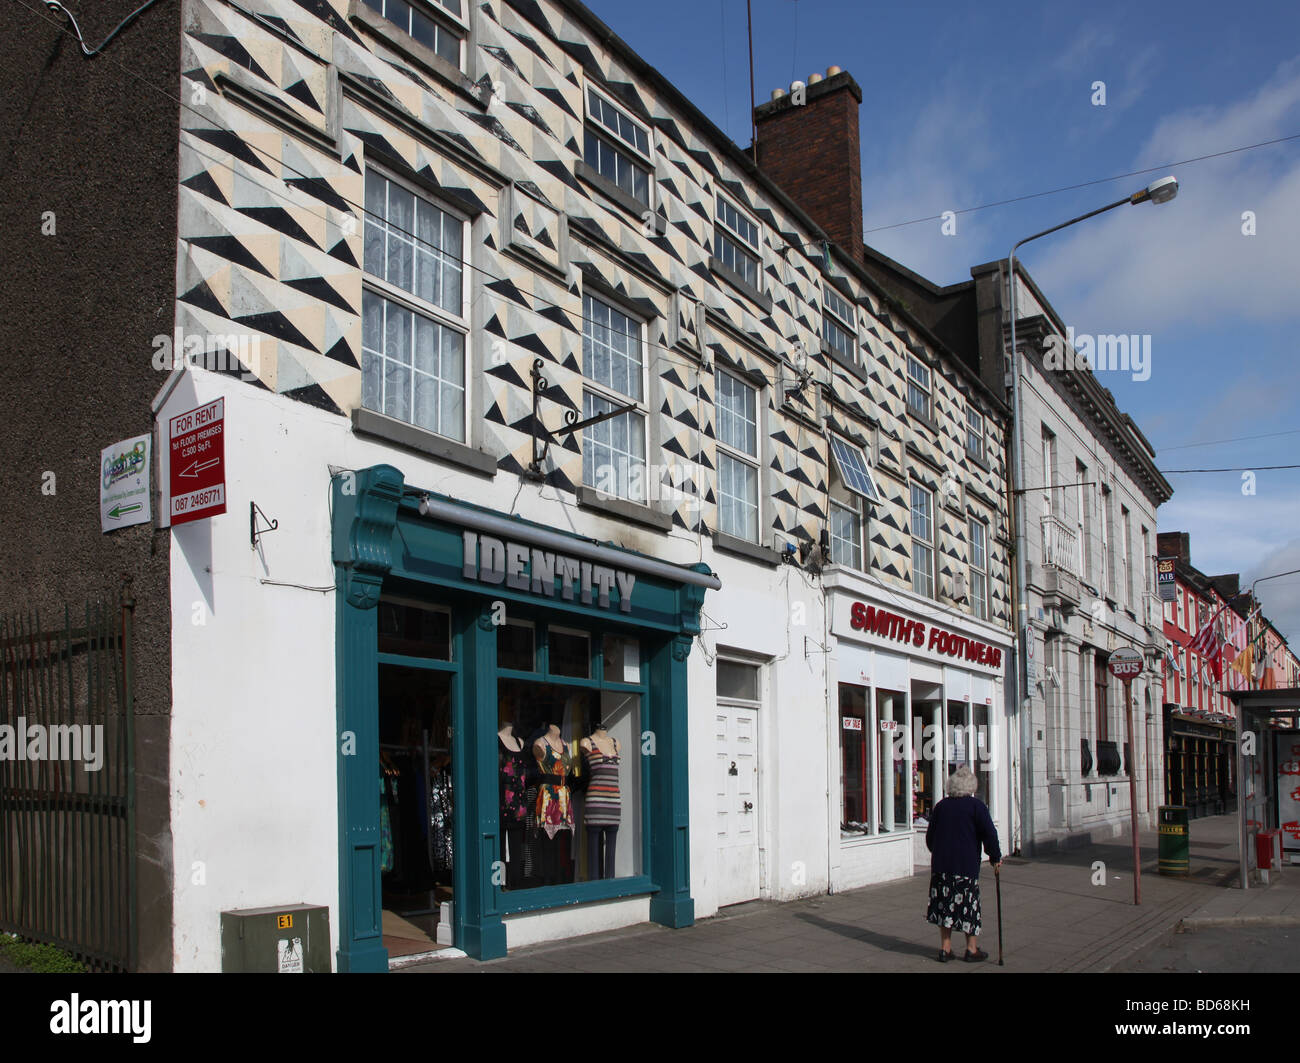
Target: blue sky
pixel 967 104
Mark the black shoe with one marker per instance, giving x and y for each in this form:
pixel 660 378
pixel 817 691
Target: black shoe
pixel 944 955
pixel 977 956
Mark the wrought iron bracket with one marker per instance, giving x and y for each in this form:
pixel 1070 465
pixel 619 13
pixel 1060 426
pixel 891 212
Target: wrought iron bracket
pixel 254 511
pixel 544 437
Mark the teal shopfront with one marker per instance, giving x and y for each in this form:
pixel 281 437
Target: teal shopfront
pixel 512 710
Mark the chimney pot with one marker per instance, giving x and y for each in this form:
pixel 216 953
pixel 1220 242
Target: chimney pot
pixel 777 93
pixel 831 71
pixel 814 78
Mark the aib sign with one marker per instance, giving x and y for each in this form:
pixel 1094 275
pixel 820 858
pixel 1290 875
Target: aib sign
pixel 1125 664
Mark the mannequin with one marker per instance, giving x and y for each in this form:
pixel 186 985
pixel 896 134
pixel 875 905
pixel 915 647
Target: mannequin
pixel 554 809
pixel 512 766
pixel 604 801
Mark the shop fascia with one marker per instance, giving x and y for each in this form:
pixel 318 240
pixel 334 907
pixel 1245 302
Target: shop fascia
pixel 941 641
pixel 494 561
pixel 937 641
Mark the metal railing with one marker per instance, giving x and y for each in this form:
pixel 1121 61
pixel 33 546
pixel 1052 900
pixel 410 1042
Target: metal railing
pixel 67 809
pixel 1060 545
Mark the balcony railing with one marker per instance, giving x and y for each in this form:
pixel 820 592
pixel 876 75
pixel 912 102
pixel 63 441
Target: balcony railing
pixel 1060 546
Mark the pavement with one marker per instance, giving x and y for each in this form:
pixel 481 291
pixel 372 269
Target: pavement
pixel 1071 911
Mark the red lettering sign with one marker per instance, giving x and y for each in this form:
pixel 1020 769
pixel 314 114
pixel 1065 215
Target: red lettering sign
pixel 882 622
pixel 197 463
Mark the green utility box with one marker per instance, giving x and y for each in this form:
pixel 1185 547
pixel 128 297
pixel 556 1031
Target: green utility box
pixel 1174 840
pixel 294 939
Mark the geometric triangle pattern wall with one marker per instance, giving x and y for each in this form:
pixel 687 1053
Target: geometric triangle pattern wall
pixel 287 102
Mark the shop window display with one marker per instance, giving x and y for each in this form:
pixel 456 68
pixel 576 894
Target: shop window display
pixel 569 758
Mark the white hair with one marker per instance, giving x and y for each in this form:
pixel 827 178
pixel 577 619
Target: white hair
pixel 961 783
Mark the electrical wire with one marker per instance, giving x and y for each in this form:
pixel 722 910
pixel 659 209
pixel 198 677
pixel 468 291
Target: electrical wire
pixel 1236 439
pixel 1245 468
pixel 895 225
pixel 90 53
pixel 1088 184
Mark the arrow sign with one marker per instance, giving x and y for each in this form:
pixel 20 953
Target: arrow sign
pixel 124 484
pixel 197 467
pixel 196 451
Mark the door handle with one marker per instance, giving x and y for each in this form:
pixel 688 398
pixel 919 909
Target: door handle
pixel 732 770
pixel 749 806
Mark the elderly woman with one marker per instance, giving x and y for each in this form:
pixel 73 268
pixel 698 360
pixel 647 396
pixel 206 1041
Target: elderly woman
pixel 959 825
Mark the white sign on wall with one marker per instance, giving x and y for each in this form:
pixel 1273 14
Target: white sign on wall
pixel 124 483
pixel 289 956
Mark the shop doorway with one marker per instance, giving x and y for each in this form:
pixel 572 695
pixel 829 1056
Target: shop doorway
pixel 736 777
pixel 417 849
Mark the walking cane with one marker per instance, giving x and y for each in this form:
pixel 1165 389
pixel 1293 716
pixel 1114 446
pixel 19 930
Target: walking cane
pixel 997 879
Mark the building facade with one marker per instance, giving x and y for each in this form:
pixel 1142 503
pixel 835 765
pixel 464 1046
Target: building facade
pixel 1199 717
pixel 616 548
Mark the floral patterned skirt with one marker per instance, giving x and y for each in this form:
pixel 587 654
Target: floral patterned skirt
pixel 954 902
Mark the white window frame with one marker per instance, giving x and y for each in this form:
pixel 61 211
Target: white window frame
pixel 1107 562
pixel 833 320
pixel 723 231
pixel 1126 543
pixel 855 545
pixel 926 544
pixel 437 12
pixel 605 393
pixel 393 293
pixel 913 382
pixel 975 430
pixel 617 143
pixel 1084 520
pixel 979 602
pixel 727 451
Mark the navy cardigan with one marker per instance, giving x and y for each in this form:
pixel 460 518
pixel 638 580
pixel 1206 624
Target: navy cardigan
pixel 958 825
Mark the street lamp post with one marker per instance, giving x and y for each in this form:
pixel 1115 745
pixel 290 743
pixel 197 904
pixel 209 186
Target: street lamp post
pixel 1160 191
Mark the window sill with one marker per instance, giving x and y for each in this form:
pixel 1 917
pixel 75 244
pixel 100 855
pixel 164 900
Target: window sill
pixel 740 284
pixel 729 544
pixel 845 363
pixel 610 190
pixel 380 426
pixel 977 460
pixel 921 419
pixel 421 55
pixel 625 509
pixel 541 897
pixel 855 840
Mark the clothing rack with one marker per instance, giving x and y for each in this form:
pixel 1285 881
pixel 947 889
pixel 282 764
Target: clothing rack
pixel 424 750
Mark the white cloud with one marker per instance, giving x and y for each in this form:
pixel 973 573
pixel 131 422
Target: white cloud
pixel 1231 532
pixel 1151 267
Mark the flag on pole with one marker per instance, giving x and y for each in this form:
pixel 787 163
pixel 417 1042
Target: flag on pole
pixel 1171 661
pixel 1205 642
pixel 1244 661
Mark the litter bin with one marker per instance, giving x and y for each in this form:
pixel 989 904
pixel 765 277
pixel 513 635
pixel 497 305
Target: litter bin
pixel 1173 840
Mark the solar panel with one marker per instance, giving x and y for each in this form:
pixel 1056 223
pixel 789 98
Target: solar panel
pixel 854 470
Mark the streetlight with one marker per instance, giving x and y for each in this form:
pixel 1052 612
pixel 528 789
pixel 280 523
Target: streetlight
pixel 1159 191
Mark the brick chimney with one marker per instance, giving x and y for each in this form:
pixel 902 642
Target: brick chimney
pixel 808 144
pixel 1175 544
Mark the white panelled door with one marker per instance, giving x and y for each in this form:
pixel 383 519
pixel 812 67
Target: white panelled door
pixel 736 781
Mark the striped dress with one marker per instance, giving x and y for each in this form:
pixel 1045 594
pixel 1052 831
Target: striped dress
pixel 604 805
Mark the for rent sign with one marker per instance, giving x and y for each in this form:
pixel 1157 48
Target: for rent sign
pixel 196 448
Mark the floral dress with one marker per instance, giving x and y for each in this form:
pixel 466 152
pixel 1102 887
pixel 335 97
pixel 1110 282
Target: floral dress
pixel 954 902
pixel 554 811
pixel 513 771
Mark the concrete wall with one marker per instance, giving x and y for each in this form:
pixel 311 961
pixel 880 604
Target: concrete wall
pixel 91 156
